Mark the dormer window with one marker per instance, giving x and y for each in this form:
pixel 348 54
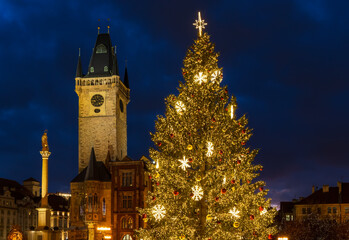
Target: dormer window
pixel 105 68
pixel 101 49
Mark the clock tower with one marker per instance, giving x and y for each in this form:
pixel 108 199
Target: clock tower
pixel 103 100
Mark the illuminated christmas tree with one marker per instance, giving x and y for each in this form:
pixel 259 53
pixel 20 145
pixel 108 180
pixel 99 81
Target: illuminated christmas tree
pixel 202 175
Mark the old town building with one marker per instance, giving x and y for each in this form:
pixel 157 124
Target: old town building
pixel 110 186
pixel 327 202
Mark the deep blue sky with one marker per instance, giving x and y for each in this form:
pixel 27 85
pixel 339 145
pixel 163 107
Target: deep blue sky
pixel 285 61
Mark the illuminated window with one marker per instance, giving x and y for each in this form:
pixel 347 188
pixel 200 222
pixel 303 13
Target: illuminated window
pixel 101 49
pixel 124 223
pixel 288 217
pixel 105 68
pixel 92 69
pixel 127 237
pixel 334 210
pixel 127 179
pixel 104 208
pixel 130 222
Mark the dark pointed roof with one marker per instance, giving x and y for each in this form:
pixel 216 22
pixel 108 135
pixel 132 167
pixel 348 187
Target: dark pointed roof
pixel 126 83
pixel 31 180
pixel 79 68
pixel 95 171
pixel 103 60
pixel 91 172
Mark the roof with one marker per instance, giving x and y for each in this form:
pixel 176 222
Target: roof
pixel 332 196
pixel 95 171
pixel 17 190
pixel 31 180
pixel 58 203
pixel 79 68
pixel 103 61
pixel 286 206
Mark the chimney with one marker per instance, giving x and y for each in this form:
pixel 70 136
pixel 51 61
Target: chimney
pixel 325 188
pixel 339 184
pixel 313 189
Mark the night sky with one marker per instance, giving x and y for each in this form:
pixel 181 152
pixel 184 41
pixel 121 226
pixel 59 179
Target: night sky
pixel 285 61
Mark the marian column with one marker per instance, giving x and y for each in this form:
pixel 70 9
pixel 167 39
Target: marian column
pixel 44 178
pixel 44 210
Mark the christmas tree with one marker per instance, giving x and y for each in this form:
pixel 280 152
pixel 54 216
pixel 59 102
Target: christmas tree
pixel 202 174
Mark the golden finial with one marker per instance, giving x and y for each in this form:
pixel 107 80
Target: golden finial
pixel 200 24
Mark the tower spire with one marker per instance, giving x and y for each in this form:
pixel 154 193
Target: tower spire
pixel 79 68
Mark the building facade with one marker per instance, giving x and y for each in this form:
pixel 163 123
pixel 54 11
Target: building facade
pixel 110 186
pixel 327 202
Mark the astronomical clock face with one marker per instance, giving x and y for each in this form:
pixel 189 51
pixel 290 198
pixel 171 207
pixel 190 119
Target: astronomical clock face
pixel 97 100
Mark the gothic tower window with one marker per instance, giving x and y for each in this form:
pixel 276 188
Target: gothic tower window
pixel 130 223
pixel 104 208
pixel 105 68
pixel 101 49
pixel 90 203
pixel 124 223
pixel 95 201
pixel 127 237
pixel 127 179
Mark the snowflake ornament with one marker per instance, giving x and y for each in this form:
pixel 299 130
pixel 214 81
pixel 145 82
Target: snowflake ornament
pixel 235 213
pixel 216 77
pixel 184 164
pixel 264 211
pixel 200 78
pixel 209 149
pixel 197 193
pixel 180 107
pixel 159 212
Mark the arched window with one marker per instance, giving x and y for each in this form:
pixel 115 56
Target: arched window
pixel 88 82
pixel 124 223
pixel 101 49
pixel 105 68
pixel 130 223
pixel 90 203
pixel 104 208
pixel 127 237
pixel 95 201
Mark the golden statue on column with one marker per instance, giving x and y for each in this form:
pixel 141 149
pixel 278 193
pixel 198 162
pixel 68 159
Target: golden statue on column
pixel 44 142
